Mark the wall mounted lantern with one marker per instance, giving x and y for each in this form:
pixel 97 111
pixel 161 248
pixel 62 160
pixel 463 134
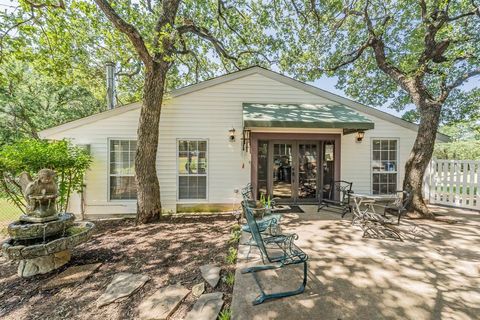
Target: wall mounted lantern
pixel 360 136
pixel 231 135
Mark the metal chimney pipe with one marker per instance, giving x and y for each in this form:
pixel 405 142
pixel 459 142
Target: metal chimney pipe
pixel 110 85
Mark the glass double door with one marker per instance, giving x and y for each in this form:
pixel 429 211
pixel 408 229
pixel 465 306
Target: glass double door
pixel 294 170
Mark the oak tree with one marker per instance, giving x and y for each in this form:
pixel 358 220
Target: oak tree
pixel 400 53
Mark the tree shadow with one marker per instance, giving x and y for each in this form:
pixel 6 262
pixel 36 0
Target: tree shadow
pixel 434 276
pixel 169 252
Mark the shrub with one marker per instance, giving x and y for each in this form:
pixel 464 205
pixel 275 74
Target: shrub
pixel 68 161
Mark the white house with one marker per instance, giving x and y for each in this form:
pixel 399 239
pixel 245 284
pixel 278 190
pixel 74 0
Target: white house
pixel 287 138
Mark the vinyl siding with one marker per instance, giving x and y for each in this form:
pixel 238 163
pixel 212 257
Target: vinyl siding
pixel 209 114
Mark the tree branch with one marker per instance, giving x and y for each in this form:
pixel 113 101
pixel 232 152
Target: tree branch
pixel 60 5
pixel 475 11
pixel 167 17
pixel 205 34
pixel 353 56
pixel 463 78
pixel 129 30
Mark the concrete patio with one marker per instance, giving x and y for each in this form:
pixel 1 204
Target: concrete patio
pixel 436 276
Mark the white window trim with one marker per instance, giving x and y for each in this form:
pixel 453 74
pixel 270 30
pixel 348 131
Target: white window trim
pixel 109 139
pixel 177 162
pixel 397 160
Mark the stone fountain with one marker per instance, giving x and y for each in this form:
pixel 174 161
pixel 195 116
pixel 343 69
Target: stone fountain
pixel 42 239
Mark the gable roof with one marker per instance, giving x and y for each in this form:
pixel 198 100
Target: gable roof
pixel 237 75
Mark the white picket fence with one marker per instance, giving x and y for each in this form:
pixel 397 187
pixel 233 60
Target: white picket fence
pixel 454 183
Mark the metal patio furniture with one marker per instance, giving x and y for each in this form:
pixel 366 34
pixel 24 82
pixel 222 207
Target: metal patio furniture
pixel 398 207
pixel 338 196
pixel 373 224
pixel 286 253
pixel 267 222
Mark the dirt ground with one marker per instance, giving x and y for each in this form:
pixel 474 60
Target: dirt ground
pixel 170 251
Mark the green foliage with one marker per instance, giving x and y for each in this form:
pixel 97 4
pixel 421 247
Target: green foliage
pixel 463 130
pixel 466 141
pixel 225 315
pixel 31 101
pixel 331 38
pixel 232 255
pixel 235 234
pixel 265 201
pixel 230 279
pixel 52 59
pixel 458 150
pixel 68 161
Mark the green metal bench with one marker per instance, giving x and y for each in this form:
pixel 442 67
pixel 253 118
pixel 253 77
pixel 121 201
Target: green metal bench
pixel 287 253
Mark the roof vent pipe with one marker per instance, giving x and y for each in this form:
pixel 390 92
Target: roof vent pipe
pixel 110 85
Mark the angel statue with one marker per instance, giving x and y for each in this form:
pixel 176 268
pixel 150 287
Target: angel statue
pixel 40 194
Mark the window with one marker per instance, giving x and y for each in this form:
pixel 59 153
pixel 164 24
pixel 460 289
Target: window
pixel 122 170
pixel 192 169
pixel 384 166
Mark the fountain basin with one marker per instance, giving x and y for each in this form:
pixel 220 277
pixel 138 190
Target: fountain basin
pixel 77 233
pixel 19 230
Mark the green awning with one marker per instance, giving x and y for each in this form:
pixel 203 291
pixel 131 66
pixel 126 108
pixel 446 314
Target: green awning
pixel 304 116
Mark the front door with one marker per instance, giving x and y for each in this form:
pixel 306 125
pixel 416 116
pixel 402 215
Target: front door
pixel 294 170
pixel 307 182
pixel 283 170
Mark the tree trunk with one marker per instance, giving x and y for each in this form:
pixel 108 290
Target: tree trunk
pixel 148 189
pixel 419 159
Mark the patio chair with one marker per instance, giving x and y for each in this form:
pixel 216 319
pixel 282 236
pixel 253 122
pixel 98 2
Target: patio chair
pixel 338 196
pixel 266 222
pixel 287 253
pixel 399 206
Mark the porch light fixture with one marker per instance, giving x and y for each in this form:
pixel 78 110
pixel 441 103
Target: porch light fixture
pixel 231 135
pixel 360 136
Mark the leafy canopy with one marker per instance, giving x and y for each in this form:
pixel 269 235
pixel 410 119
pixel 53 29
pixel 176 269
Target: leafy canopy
pixel 434 42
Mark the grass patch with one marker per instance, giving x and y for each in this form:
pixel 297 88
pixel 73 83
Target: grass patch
pixel 225 315
pixel 232 255
pixel 8 211
pixel 235 234
pixel 230 279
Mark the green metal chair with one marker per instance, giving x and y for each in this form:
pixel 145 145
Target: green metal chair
pixel 267 222
pixel 288 254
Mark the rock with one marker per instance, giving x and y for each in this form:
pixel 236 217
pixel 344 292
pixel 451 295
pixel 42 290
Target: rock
pixel 211 274
pixel 45 264
pixel 207 307
pixel 122 285
pixel 162 303
pixel 72 275
pixel 198 289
